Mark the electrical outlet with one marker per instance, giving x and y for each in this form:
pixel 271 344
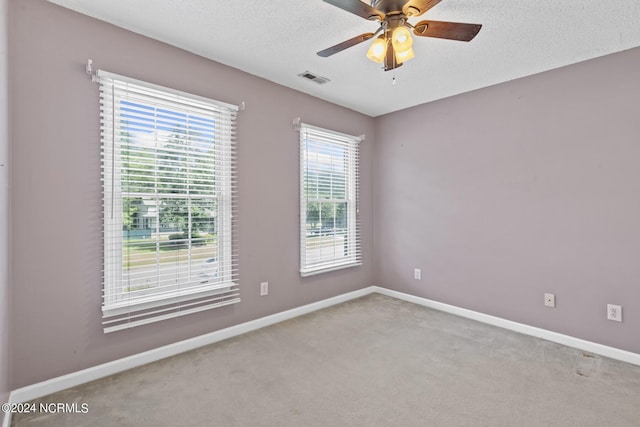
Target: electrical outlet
pixel 417 274
pixel 550 300
pixel 264 289
pixel 614 312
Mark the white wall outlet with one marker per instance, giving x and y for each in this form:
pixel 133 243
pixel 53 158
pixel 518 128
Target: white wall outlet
pixel 264 288
pixel 550 300
pixel 614 312
pixel 417 274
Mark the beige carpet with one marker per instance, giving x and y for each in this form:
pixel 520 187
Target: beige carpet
pixel 375 361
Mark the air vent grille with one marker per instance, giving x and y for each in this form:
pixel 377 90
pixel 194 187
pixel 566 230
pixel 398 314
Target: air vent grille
pixel 314 77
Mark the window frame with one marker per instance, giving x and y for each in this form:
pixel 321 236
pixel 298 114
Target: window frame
pixel 328 140
pixel 186 296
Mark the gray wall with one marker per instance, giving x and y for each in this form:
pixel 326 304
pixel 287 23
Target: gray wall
pixel 4 207
pixel 504 193
pixel 55 199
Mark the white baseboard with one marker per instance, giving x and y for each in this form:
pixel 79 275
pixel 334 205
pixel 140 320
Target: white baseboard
pixel 73 379
pixel 53 385
pixel 602 350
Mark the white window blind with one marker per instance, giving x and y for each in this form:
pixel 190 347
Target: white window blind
pixel 329 225
pixel 168 172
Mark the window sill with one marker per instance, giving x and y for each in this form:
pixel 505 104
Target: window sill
pixel 313 272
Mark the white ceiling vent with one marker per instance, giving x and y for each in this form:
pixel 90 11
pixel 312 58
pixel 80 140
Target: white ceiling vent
pixel 314 77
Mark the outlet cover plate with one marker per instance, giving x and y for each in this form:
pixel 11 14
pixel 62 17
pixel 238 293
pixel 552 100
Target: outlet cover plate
pixel 550 300
pixel 614 312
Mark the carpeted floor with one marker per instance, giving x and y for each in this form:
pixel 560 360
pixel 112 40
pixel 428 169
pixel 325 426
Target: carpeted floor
pixel 375 361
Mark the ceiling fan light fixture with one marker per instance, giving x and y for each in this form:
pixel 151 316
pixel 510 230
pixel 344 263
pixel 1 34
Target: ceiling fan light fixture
pixel 377 50
pixel 404 56
pixel 401 39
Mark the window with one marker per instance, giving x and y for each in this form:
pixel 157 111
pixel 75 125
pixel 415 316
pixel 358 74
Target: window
pixel 329 232
pixel 168 161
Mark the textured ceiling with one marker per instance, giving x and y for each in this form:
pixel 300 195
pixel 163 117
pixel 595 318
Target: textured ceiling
pixel 278 40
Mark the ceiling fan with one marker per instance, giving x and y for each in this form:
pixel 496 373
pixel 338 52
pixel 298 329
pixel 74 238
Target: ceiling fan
pixel 393 46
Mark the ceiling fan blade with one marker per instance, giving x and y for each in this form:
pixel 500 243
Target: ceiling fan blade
pixel 345 44
pixel 447 30
pixel 357 7
pixel 418 7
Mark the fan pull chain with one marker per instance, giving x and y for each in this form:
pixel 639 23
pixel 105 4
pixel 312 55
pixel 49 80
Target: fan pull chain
pixel 393 80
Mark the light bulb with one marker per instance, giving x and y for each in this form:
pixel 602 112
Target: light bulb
pixel 404 56
pixel 401 39
pixel 378 50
